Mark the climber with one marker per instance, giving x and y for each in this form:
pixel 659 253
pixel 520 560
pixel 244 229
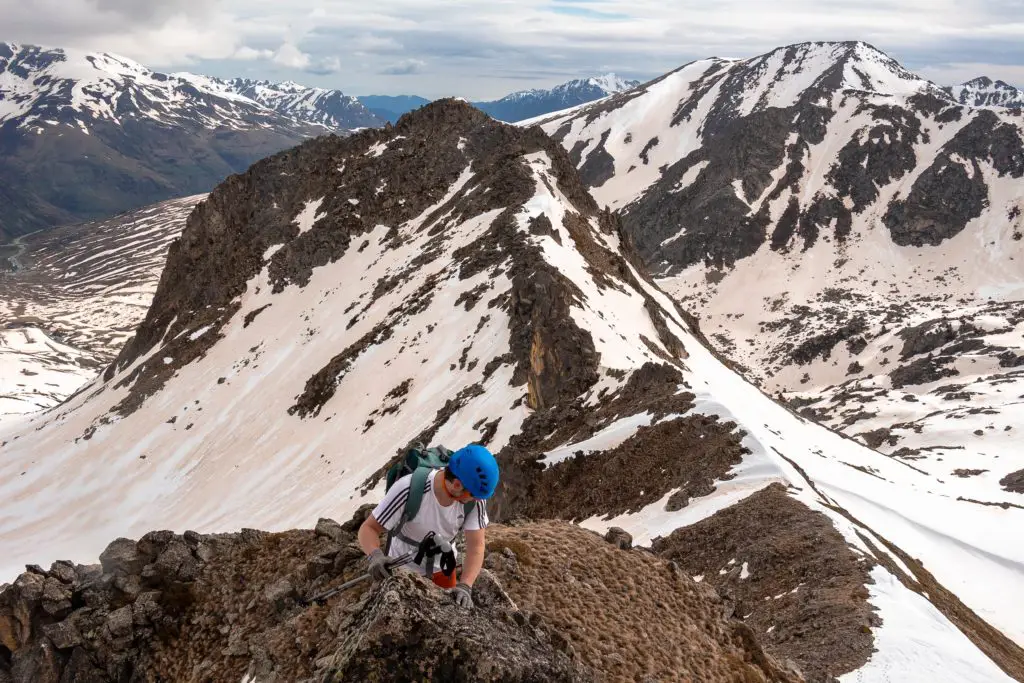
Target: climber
pixel 436 500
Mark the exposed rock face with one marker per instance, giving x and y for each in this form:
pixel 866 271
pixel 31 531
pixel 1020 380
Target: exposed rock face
pixel 952 191
pixel 226 607
pixel 95 623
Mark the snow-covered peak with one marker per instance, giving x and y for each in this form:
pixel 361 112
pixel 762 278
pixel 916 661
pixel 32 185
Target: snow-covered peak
pixel 57 86
pixel 984 92
pixel 320 106
pixel 526 104
pixel 611 83
pixel 40 86
pixel 783 76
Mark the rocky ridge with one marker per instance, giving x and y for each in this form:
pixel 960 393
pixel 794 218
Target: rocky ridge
pixel 172 607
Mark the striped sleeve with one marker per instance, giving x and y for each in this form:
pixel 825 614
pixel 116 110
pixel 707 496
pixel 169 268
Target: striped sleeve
pixel 478 517
pixel 388 512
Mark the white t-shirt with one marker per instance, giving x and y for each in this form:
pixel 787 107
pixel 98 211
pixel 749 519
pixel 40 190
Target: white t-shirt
pixel 444 521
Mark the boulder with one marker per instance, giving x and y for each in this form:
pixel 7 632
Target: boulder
pixel 677 501
pixel 63 635
pixel 407 630
pixel 56 598
pixel 36 664
pixel 153 543
pixel 129 585
pixel 120 623
pixel 328 528
pixel 279 592
pixel 175 563
pixel 122 556
pixel 64 571
pixel 620 538
pixel 358 517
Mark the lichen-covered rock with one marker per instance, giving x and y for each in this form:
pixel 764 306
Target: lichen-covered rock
pixel 407 630
pixel 63 635
pixel 330 529
pixel 122 556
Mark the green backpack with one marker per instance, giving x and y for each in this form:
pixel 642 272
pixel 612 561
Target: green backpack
pixel 419 462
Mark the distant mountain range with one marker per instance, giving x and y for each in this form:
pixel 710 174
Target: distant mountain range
pixel 517 106
pixel 391 107
pixel 527 104
pixel 86 135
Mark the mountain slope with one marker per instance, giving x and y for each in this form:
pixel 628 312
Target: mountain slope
pixel 71 297
pixel 526 104
pixel 849 235
pixel 86 135
pixel 984 92
pixel 450 279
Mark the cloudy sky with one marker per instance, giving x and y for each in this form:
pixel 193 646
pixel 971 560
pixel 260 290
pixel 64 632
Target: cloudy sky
pixel 483 49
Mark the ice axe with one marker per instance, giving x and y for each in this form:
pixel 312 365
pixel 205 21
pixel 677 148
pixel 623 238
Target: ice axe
pixel 325 596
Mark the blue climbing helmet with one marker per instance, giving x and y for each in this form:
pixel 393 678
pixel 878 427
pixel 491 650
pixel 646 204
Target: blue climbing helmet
pixel 477 469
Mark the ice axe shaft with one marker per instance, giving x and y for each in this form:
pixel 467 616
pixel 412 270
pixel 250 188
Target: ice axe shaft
pixel 323 597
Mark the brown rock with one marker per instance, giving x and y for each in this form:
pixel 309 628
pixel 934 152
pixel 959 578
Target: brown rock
pixel 318 566
pixel 64 571
pixel 122 556
pixel 56 598
pixel 358 517
pixel 279 591
pixel 130 585
pixel 154 543
pixel 146 608
pixel 119 623
pixel 328 528
pixel 677 501
pixel 176 563
pixel 64 635
pixel 620 538
pixel 408 626
pixel 36 664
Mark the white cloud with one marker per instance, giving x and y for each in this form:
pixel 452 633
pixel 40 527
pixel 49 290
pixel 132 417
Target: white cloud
pixel 485 49
pixel 404 67
pixel 291 57
pixel 248 54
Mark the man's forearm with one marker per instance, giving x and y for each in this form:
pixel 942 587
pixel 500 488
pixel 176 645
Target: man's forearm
pixel 474 561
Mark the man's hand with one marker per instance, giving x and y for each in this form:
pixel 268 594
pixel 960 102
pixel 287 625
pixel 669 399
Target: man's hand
pixel 463 594
pixel 379 569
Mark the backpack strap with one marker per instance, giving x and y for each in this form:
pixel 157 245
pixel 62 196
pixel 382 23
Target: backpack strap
pixel 416 486
pixel 417 481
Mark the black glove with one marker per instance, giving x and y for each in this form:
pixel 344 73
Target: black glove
pixel 463 594
pixel 379 569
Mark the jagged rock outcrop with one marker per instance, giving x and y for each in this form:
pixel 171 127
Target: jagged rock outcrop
pixel 228 607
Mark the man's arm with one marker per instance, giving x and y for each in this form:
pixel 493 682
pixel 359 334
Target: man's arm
pixel 474 561
pixel 369 535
